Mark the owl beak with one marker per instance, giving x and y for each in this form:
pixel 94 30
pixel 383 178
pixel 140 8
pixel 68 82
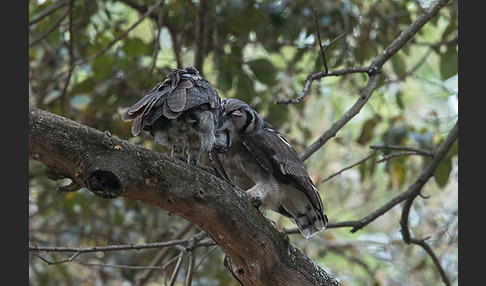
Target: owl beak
pixel 220 148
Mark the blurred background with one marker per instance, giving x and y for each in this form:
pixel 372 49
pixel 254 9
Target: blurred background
pixel 90 60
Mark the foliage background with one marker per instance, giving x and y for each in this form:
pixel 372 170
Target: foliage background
pixel 83 66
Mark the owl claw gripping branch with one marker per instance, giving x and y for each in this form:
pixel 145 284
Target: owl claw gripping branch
pixel 183 109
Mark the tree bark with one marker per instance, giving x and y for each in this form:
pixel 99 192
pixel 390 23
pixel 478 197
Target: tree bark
pixel 110 167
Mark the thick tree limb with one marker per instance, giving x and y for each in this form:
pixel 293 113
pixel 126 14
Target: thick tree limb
pixel 110 167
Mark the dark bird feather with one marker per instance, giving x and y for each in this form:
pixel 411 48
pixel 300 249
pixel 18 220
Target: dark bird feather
pixel 183 109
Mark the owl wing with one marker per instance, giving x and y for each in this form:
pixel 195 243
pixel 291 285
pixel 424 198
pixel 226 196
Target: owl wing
pixel 276 155
pixel 182 90
pixel 202 92
pixel 218 166
pixel 191 90
pixel 144 111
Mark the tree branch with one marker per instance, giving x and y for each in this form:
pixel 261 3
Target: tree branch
pixel 122 35
pixel 413 190
pixel 374 72
pixel 110 167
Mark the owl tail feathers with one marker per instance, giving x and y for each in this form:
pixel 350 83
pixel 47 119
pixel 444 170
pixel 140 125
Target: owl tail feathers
pixel 311 223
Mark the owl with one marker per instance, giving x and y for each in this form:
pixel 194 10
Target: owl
pixel 182 110
pixel 254 156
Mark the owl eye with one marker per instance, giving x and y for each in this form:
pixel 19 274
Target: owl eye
pixel 236 112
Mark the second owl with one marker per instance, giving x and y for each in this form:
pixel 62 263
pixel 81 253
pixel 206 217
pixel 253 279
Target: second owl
pixel 251 154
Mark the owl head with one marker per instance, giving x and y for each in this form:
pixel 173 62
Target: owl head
pixel 237 118
pixel 244 118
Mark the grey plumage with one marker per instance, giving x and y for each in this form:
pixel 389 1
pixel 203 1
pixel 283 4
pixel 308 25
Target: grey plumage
pixel 254 156
pixel 183 109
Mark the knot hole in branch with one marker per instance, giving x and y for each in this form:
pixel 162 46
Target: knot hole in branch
pixel 104 184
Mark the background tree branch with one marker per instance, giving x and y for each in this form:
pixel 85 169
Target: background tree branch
pixel 110 167
pixel 374 73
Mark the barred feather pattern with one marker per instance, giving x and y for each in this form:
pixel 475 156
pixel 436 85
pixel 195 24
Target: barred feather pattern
pixel 183 110
pixel 254 156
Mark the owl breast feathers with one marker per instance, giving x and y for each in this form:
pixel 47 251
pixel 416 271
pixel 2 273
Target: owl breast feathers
pixel 251 154
pixel 183 109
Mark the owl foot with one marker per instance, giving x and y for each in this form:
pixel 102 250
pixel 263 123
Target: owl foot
pixel 207 169
pixel 256 202
pixel 180 157
pixel 272 222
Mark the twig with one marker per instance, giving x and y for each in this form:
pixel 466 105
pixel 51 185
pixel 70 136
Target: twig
pixel 62 98
pixel 416 151
pixel 321 48
pixel 71 258
pixel 190 268
pixel 50 30
pixel 436 261
pixel 176 269
pixel 133 267
pixel 311 78
pixel 122 35
pixel 49 11
pixel 160 20
pixel 109 247
pixel 159 257
pixel 169 262
pixel 397 154
pixel 406 151
pixel 350 166
pixel 206 255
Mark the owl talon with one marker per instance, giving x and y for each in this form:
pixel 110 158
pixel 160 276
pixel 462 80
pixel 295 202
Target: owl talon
pixel 180 157
pixel 272 222
pixel 257 202
pixel 207 169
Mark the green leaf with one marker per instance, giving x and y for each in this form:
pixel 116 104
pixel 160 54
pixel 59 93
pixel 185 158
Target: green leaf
pixel 399 100
pixel 367 130
pixel 264 71
pixel 102 66
pixel 397 171
pixel 399 65
pixel 225 81
pixel 448 63
pixel 225 75
pixel 245 89
pixel 135 47
pixel 443 171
